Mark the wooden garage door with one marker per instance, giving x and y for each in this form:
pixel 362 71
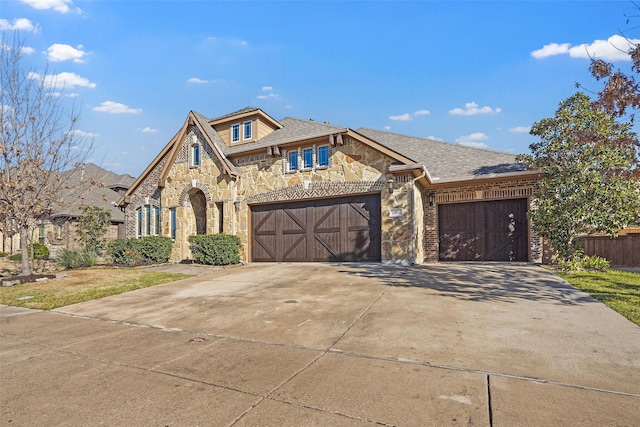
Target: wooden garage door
pixel 484 231
pixel 345 229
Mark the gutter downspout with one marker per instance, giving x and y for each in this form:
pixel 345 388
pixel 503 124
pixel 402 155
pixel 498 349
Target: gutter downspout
pixel 413 215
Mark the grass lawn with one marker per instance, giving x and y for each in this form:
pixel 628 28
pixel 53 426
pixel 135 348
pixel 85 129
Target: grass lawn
pixel 617 289
pixel 82 285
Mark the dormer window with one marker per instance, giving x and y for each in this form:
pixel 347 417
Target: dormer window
pixel 235 133
pixel 247 130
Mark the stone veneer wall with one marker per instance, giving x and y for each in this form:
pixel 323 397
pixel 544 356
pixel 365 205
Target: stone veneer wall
pixel 354 168
pixel 511 189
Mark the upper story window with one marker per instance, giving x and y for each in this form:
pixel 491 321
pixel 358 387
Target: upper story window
pixel 247 130
pixel 293 160
pixel 235 133
pixel 194 155
pixel 307 158
pixel 323 156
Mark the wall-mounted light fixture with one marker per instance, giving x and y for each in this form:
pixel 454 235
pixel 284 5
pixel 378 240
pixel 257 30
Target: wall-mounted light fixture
pixel 432 198
pixel 390 183
pixel 237 205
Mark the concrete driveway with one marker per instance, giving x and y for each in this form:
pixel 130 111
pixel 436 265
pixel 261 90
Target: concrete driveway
pixel 327 344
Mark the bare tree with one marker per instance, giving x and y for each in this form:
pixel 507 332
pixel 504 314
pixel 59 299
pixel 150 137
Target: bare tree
pixel 38 142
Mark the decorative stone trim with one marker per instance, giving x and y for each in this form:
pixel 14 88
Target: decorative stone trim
pixel 315 190
pixel 200 186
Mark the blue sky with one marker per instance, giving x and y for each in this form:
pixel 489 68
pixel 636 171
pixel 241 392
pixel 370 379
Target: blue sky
pixel 476 73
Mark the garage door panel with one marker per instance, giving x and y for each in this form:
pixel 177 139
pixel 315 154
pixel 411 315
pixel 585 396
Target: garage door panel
pixel 484 231
pixel 322 230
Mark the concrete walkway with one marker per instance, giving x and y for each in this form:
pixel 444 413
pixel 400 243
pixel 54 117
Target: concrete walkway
pixel 327 344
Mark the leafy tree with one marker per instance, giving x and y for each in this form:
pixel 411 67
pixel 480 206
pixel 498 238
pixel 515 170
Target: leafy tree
pixel 587 164
pixel 38 140
pixel 92 228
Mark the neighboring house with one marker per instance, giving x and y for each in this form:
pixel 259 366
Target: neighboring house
pixel 300 190
pixel 90 185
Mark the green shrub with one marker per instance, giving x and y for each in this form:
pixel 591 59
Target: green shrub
pixel 15 257
pixel 585 262
pixel 150 249
pixel 155 248
pixel 3 254
pixel 70 259
pixel 40 251
pixel 595 263
pixel 215 249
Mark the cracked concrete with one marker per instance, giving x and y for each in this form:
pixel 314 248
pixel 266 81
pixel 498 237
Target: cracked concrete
pixel 327 344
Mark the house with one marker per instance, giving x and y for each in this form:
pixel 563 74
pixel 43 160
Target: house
pixel 301 190
pixel 88 185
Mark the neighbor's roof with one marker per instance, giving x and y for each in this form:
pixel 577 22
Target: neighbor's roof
pixel 90 186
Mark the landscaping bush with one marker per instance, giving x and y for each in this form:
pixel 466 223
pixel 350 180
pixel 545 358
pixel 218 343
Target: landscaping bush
pixel 40 251
pixel 70 259
pixel 215 249
pixel 585 262
pixel 15 257
pixel 155 248
pixel 3 254
pixel 150 249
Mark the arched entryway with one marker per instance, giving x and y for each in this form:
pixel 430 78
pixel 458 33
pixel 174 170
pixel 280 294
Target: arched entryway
pixel 198 203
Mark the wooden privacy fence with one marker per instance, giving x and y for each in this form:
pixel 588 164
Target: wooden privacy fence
pixel 623 251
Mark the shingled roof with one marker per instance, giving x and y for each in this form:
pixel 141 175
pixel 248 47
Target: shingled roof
pixel 446 161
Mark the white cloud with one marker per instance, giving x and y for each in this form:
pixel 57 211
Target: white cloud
pixel 82 134
pixel 387 128
pixel 520 129
pixel 149 130
pixel 402 117
pixel 61 6
pixel 473 140
pixel 196 80
pixel 269 96
pixel 615 48
pixel 551 49
pixel 472 109
pixel 27 50
pixel 63 52
pixel 435 138
pixel 21 24
pixel 407 116
pixel 116 108
pixel 62 80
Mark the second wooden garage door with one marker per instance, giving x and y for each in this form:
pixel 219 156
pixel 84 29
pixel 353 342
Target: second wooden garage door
pixel 345 229
pixel 484 231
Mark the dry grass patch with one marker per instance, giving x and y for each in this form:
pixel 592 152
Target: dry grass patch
pixel 82 285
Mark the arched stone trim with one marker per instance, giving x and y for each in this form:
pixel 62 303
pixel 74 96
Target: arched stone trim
pixel 200 186
pixel 314 190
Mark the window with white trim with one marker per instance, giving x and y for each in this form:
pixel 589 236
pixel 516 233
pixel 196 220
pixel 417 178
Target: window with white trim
pixel 235 133
pixel 247 126
pixel 148 221
pixel 307 158
pixel 194 155
pixel 292 157
pixel 323 156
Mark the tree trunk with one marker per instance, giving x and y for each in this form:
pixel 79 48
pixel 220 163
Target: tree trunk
pixel 24 251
